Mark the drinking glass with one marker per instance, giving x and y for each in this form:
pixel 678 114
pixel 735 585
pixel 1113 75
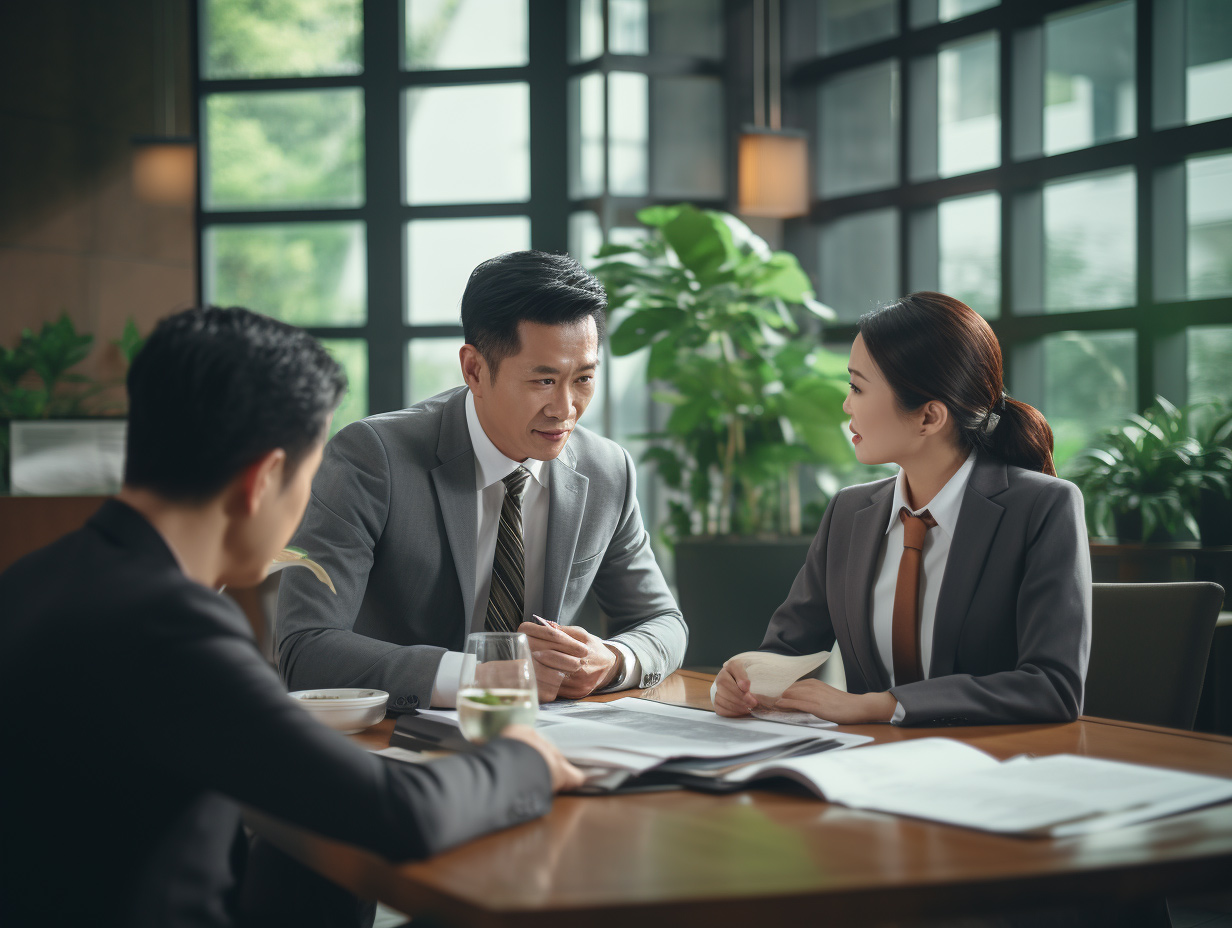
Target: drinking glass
pixel 497 685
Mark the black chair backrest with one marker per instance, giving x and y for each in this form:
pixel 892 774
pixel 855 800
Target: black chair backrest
pixel 1149 647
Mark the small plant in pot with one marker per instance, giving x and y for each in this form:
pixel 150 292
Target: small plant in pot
pixel 1143 479
pixel 1213 429
pixel 752 400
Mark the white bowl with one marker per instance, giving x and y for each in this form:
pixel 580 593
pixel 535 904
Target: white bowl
pixel 345 710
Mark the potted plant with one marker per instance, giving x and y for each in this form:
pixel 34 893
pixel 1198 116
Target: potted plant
pixel 37 382
pixel 1143 480
pixel 752 401
pixel 1213 431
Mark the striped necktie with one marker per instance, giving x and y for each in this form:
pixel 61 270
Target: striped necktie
pixel 507 598
pixel 905 623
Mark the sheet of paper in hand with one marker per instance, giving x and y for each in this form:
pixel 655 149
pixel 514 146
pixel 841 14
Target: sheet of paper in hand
pixel 770 674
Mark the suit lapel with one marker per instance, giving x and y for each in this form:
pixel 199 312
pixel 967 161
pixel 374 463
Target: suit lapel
pixel 454 479
pixel 566 505
pixel 977 525
pixel 868 528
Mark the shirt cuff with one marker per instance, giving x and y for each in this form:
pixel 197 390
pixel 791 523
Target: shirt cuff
pixel 629 674
pixel 448 674
pixel 899 714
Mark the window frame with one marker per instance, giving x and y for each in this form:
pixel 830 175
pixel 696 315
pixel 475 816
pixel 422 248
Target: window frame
pixel 1159 324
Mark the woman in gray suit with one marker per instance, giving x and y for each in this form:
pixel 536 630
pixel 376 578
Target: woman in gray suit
pixel 959 592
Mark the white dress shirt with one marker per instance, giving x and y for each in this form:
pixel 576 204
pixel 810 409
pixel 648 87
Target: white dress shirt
pixel 944 508
pixel 491 468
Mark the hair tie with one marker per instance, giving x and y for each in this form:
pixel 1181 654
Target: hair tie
pixel 990 423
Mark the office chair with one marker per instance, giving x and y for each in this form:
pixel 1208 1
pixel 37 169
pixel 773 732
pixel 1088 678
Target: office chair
pixel 1149 647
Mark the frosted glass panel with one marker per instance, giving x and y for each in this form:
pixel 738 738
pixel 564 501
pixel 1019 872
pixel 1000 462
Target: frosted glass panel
pixel 440 255
pixel 1208 183
pixel 465 34
pixel 687 137
pixel 858 118
pixel 1209 351
pixel 586 109
pixel 585 235
pixel 844 24
pixel 1208 60
pixel 969 230
pixel 1089 242
pixel 1089 78
pixel 968 106
pixel 628 131
pixel 1090 382
pixel 432 367
pixel 467 144
pixel 352 354
pixel 859 262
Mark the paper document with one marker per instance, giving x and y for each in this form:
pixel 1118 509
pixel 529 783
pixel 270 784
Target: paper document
pixel 655 729
pixel 770 674
pixel 790 717
pixel 947 781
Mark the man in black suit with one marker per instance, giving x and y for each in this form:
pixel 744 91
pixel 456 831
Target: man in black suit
pixel 143 713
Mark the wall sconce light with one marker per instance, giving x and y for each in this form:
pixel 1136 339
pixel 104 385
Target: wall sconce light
pixel 772 177
pixel 165 170
pixel 165 164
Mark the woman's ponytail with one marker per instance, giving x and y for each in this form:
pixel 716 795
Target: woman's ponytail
pixel 1022 437
pixel 931 346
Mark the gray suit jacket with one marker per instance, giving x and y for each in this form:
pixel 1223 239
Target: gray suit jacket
pixel 1013 626
pixel 393 518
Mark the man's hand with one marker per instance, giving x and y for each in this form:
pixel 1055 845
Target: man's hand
pixel 834 705
pixel 565 776
pixel 580 661
pixel 732 697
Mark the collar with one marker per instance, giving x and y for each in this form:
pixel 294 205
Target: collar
pixel 944 506
pixel 492 465
pixel 128 528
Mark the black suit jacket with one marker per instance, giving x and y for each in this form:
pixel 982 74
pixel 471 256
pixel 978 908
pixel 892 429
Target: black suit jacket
pixel 142 713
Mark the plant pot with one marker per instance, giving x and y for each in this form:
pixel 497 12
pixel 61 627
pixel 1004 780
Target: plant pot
pixel 1128 528
pixel 1214 519
pixel 66 457
pixel 729 587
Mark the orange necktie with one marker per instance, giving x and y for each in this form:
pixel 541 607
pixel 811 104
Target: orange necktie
pixel 905 631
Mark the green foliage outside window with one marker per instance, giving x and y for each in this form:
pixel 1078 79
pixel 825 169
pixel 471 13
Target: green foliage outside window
pixel 268 38
pixel 279 149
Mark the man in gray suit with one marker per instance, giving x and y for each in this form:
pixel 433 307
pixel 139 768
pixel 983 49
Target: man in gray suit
pixel 480 508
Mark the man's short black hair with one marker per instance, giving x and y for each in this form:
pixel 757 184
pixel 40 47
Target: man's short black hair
pixel 213 390
pixel 531 286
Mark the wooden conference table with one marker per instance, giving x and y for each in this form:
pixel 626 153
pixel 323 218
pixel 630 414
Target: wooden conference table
pixel 763 857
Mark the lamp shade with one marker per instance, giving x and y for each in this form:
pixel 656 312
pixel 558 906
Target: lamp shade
pixel 773 173
pixel 165 170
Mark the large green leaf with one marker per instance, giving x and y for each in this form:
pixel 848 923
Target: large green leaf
pixel 642 328
pixel 658 216
pixel 781 276
pixel 702 242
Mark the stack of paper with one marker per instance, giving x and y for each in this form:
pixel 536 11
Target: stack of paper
pixel 629 737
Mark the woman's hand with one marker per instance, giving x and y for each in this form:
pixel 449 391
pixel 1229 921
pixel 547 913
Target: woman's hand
pixel 732 697
pixel 834 705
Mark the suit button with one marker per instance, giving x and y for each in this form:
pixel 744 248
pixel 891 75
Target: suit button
pixel 413 702
pixel 400 702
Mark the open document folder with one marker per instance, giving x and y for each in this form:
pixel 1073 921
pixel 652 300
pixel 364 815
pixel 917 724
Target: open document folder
pixel 627 738
pixel 947 781
pixel 634 742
